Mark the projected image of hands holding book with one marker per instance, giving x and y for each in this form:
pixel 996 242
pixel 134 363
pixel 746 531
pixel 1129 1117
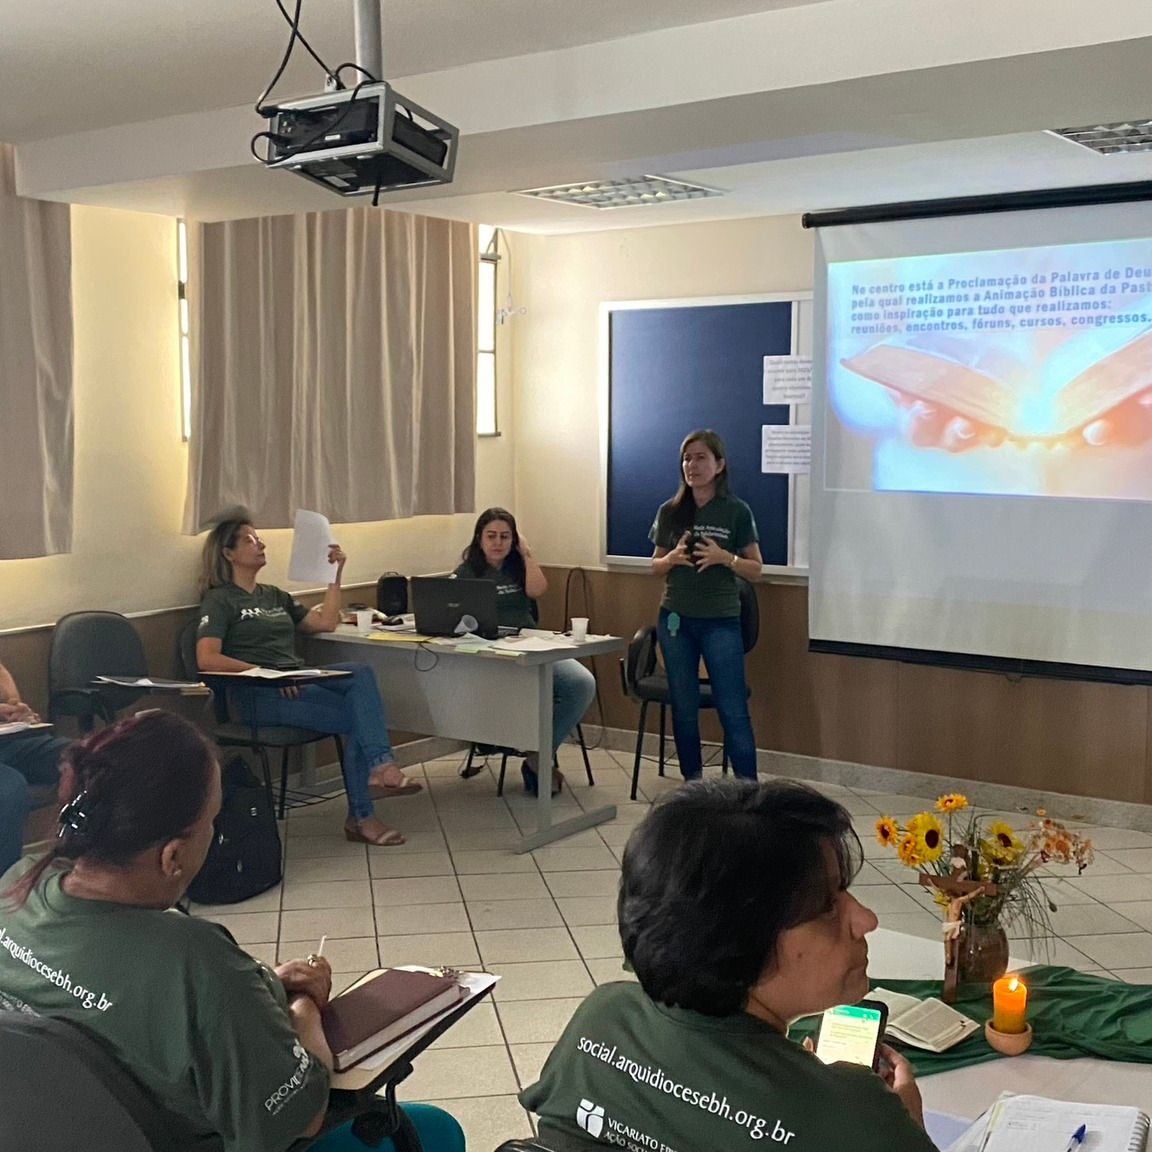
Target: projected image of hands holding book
pixel 1025 372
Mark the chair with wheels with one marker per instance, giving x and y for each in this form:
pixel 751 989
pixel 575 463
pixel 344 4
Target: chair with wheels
pixel 63 1090
pixel 86 645
pixel 644 681
pixel 229 733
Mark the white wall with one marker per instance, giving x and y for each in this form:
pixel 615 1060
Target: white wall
pixel 131 464
pixel 562 281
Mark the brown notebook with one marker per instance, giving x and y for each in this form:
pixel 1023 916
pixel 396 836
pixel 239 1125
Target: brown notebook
pixel 366 1018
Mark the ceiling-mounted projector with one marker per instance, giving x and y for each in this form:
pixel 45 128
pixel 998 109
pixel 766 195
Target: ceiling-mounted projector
pixel 368 139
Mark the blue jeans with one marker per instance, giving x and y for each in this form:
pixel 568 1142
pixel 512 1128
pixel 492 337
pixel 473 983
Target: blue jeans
pixel 24 760
pixel 573 690
pixel 350 707
pixel 438 1132
pixel 719 642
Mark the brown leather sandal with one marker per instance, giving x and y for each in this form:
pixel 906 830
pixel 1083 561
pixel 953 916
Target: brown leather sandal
pixel 389 838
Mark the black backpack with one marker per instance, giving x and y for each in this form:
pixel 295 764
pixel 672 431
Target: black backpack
pixel 244 858
pixel 392 594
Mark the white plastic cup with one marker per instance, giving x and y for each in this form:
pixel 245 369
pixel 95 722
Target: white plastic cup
pixel 364 621
pixel 579 629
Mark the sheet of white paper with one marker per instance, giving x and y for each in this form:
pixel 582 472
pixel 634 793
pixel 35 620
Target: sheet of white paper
pixel 474 983
pixel 14 726
pixel 311 539
pixel 787 379
pixel 786 448
pixel 530 644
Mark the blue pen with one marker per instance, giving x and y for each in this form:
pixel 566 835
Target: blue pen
pixel 1076 1139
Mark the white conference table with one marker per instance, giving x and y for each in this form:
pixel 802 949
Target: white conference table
pixel 479 697
pixel 969 1091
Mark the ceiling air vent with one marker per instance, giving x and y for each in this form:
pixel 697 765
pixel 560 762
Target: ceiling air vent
pixel 1111 139
pixel 638 191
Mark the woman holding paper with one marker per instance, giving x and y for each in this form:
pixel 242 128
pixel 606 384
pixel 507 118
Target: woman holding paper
pixel 704 538
pixel 231 1052
pixel 244 624
pixel 499 553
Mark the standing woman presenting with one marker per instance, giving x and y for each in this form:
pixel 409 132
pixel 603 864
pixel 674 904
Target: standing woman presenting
pixel 704 537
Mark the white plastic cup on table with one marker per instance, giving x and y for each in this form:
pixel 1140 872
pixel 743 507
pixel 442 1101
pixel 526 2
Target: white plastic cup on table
pixel 579 629
pixel 364 621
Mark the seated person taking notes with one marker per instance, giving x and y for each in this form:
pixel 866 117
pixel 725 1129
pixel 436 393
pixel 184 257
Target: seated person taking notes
pixel 244 624
pixel 231 1051
pixel 499 553
pixel 736 917
pixel 25 758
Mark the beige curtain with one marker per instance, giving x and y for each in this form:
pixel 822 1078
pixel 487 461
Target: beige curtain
pixel 333 367
pixel 35 372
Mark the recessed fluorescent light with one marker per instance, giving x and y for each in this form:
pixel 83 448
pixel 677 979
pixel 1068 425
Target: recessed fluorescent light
pixel 1111 139
pixel 636 192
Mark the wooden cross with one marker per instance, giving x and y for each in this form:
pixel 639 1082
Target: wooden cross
pixel 961 892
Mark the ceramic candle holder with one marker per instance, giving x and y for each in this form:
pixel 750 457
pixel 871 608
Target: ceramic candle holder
pixel 1009 1043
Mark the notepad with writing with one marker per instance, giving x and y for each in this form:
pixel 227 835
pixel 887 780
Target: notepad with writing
pixel 384 1007
pixel 1038 1124
pixel 929 1023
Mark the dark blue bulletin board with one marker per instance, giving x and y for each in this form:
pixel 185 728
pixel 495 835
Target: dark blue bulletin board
pixel 672 370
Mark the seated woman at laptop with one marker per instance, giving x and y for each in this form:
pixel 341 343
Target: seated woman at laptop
pixel 232 1052
pixel 499 553
pixel 736 917
pixel 244 624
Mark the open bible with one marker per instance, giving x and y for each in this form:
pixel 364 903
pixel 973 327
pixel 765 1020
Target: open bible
pixel 929 1024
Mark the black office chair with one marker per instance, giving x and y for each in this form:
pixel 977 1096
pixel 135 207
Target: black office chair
pixel 86 645
pixel 644 681
pixel 229 733
pixel 64 1090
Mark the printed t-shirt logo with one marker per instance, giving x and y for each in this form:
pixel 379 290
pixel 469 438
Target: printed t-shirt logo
pixel 590 1117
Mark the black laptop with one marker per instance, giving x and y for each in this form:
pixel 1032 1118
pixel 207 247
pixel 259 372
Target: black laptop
pixel 446 606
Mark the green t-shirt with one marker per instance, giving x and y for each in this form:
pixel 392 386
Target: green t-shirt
pixel 629 1072
pixel 513 604
pixel 202 1025
pixel 712 593
pixel 257 626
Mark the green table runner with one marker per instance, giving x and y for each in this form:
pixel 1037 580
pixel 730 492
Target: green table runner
pixel 1072 1014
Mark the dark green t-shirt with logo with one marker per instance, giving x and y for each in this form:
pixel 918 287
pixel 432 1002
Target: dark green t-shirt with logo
pixel 711 593
pixel 203 1026
pixel 258 626
pixel 513 604
pixel 629 1072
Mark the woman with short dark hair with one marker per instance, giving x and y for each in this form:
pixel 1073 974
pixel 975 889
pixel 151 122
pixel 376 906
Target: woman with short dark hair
pixel 736 917
pixel 232 1051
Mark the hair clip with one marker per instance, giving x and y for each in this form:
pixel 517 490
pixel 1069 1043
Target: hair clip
pixel 73 818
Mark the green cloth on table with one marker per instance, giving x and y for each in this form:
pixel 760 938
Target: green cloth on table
pixel 1072 1014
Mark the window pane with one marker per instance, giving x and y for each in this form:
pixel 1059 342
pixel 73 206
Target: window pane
pixel 486 308
pixel 486 394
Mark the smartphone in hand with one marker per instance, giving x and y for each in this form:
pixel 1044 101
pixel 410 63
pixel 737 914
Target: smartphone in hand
pixel 853 1033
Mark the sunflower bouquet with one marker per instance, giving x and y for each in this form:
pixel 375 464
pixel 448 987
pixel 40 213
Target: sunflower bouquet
pixel 953 843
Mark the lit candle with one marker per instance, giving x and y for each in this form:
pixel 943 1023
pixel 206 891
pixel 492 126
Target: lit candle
pixel 1009 1004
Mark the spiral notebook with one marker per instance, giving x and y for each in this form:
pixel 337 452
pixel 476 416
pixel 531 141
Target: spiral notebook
pixel 1037 1124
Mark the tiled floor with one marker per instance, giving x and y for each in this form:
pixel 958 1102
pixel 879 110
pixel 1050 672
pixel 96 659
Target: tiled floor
pixel 456 894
